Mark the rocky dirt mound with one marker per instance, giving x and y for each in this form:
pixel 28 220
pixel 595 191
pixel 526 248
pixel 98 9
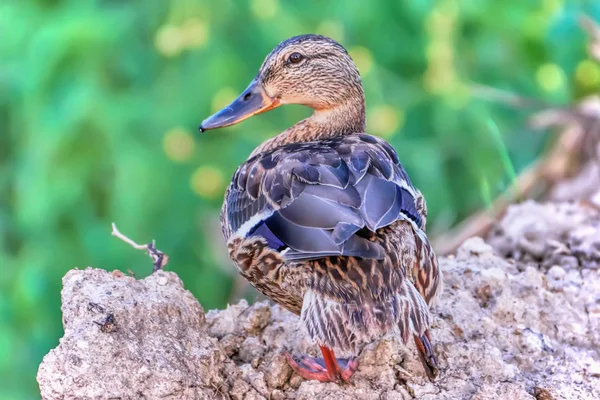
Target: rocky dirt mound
pixel 519 318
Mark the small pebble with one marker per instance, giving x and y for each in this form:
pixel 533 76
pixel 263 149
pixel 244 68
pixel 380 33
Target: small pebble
pixel 82 344
pixel 295 381
pixel 594 370
pixel 162 281
pixel 117 274
pixel 251 349
pixel 556 278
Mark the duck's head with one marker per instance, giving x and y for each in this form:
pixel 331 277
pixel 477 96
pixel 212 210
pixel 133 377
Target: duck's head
pixel 311 70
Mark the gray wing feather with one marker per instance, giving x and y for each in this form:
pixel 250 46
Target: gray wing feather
pixel 316 196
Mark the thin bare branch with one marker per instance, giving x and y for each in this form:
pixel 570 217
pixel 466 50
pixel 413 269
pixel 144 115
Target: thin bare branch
pixel 491 93
pixel 159 259
pixel 115 232
pixel 593 30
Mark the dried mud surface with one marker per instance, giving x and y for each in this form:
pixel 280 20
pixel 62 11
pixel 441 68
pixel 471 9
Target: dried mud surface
pixel 519 318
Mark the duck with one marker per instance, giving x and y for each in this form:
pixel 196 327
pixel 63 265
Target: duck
pixel 323 219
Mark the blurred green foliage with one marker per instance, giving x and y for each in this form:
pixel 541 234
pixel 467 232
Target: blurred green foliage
pixel 100 100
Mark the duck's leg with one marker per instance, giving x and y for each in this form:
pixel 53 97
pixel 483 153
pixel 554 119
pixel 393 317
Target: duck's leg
pixel 326 369
pixel 346 367
pixel 426 354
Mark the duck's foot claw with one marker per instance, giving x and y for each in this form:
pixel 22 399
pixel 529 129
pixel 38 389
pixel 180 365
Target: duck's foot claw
pixel 314 368
pixel 347 367
pixel 309 368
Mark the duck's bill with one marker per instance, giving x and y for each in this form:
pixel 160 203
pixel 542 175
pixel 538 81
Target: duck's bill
pixel 254 100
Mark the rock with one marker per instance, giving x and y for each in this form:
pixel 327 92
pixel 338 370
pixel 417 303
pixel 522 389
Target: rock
pixel 530 230
pixel 251 349
pixel 584 185
pixel 502 391
pixel 556 277
pixel 584 242
pixel 276 369
pixel 524 327
pixel 160 346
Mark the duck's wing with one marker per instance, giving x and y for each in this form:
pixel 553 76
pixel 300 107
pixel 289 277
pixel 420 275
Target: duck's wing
pixel 315 199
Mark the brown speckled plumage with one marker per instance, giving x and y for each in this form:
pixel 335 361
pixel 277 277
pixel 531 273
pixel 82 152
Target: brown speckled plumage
pixel 323 219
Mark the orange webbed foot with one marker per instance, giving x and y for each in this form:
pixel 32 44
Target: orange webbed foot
pixel 326 369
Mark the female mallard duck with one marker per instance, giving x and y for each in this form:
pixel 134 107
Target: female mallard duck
pixel 322 218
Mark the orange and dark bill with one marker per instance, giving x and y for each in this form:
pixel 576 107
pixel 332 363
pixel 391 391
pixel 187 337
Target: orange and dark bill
pixel 254 100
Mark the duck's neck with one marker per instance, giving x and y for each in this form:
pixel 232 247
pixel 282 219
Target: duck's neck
pixel 343 119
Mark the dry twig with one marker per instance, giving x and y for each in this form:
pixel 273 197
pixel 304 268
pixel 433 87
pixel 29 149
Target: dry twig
pixel 593 30
pixel 159 259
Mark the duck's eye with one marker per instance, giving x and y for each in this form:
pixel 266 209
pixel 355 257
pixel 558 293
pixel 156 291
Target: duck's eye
pixel 295 58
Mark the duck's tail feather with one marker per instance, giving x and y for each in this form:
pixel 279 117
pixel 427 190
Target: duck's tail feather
pixel 427 355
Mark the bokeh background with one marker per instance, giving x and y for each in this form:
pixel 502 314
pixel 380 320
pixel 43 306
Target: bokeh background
pixel 100 102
